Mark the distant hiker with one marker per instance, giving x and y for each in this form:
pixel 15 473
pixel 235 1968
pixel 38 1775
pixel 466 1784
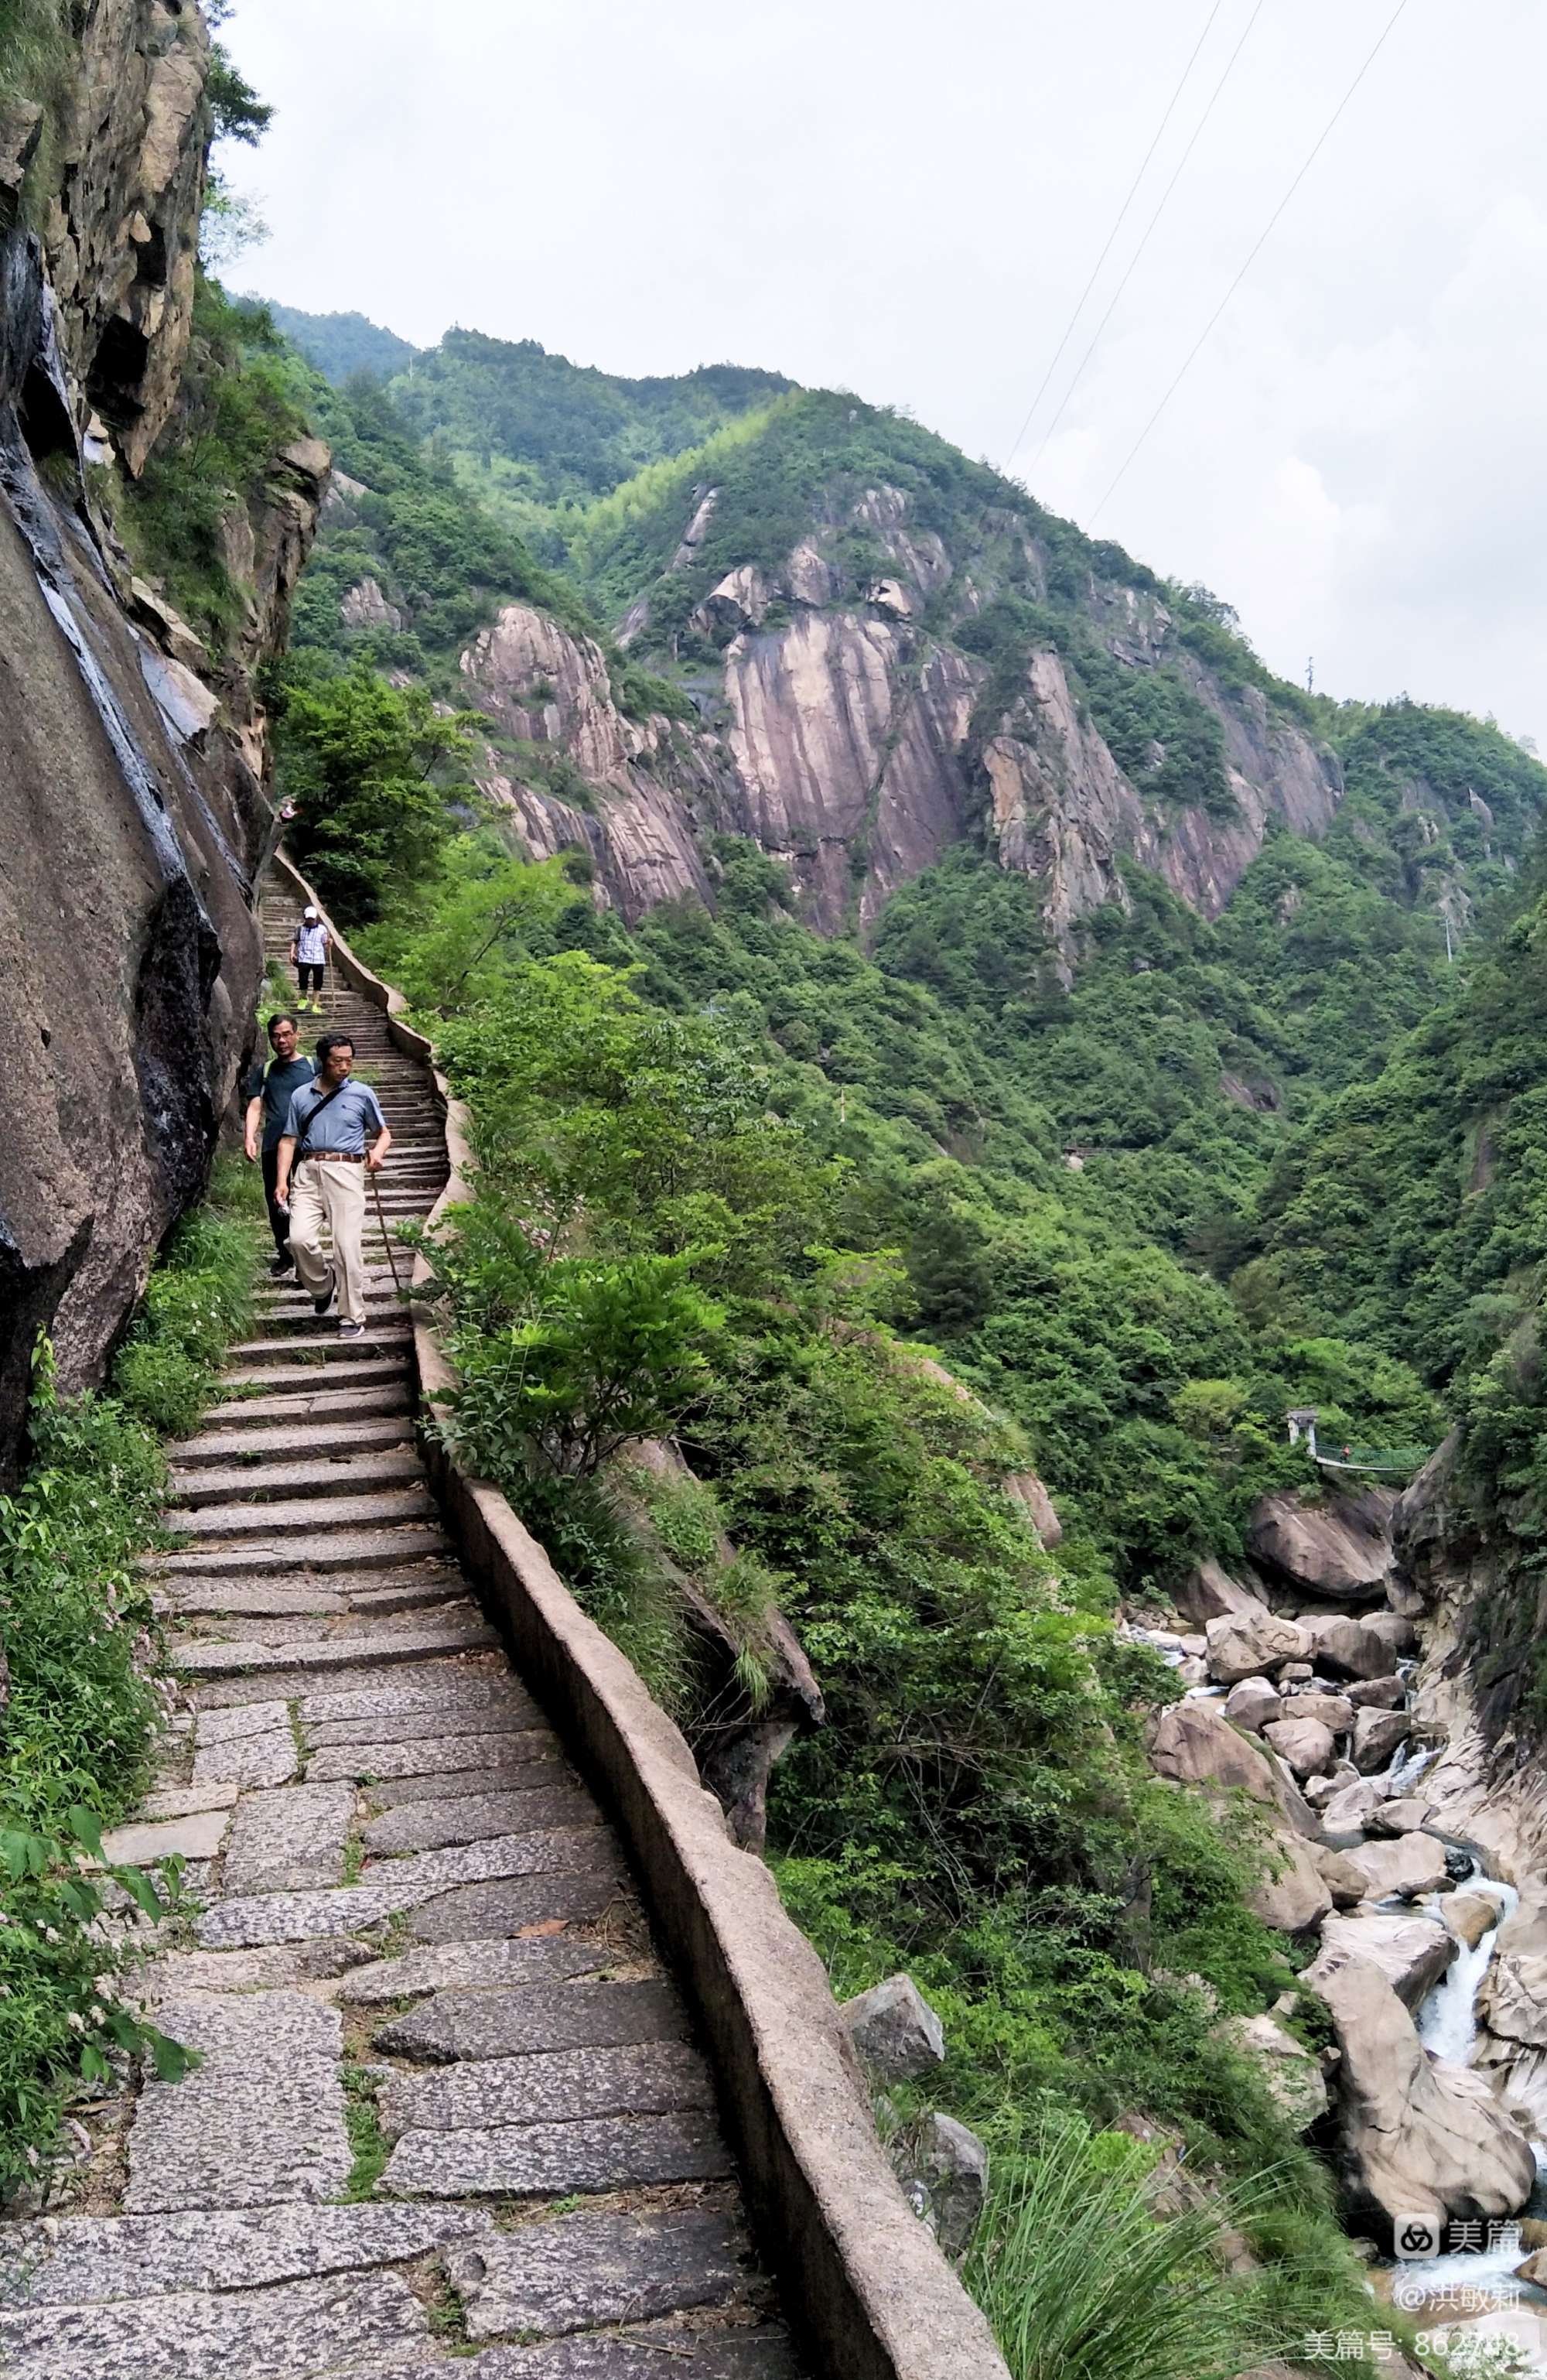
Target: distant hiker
pixel 310 946
pixel 334 1134
pixel 270 1089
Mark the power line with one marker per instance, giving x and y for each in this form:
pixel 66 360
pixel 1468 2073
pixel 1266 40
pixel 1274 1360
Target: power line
pixel 1257 248
pixel 1149 228
pixel 1116 227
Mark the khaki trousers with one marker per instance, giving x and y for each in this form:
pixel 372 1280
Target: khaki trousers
pixel 324 1191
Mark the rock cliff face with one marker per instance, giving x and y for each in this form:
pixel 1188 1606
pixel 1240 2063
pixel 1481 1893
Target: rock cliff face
pixel 843 730
pixel 131 804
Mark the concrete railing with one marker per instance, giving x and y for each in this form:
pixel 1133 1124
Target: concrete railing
pixel 864 2283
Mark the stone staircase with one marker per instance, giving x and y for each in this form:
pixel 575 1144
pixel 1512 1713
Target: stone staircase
pixel 449 2117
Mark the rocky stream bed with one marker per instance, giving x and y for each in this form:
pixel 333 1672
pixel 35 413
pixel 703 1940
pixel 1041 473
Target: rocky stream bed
pixel 1328 1682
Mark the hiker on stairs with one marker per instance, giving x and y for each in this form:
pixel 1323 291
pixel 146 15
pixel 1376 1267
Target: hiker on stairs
pixel 310 947
pixel 269 1090
pixel 334 1136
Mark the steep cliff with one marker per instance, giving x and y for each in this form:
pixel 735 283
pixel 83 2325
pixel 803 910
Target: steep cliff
pixel 822 628
pixel 853 725
pixel 131 799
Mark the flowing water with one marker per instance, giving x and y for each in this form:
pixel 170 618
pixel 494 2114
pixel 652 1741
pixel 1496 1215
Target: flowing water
pixel 1447 2019
pixel 1473 2292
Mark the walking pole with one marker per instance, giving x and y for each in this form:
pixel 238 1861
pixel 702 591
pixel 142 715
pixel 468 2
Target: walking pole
pixel 381 1219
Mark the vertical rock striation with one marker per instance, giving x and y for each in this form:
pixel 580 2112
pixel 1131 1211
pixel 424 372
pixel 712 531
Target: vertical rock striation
pixel 131 803
pixel 844 731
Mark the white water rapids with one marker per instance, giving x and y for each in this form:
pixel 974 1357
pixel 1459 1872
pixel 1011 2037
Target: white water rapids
pixel 1447 2019
pixel 1478 2284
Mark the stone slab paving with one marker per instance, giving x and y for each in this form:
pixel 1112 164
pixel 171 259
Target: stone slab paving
pixel 288 1839
pixel 467 1818
pixel 493 2023
pixel 565 2276
pixel 449 1784
pixel 414 1939
pixel 437 1966
pixel 646 2078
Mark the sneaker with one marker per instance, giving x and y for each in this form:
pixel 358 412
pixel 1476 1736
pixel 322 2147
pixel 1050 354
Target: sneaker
pixel 351 1329
pixel 280 1266
pixel 324 1298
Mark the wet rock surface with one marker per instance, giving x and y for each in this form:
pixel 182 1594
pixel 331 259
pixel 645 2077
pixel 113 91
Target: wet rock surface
pixel 132 809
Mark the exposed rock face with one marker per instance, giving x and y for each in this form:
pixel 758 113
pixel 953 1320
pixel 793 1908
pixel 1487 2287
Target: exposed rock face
pixel 847 739
pixel 1290 2073
pixel 1341 1550
pixel 131 808
pixel 122 233
pixel 1417 2136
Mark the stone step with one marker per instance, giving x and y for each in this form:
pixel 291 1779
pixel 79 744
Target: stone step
pixel 352 1376
pixel 350 1433
pixel 300 1317
pixel 325 1344
pixel 409 1589
pixel 304 1549
pixel 298 1314
pixel 379 1510
pixel 350 1472
pixel 372 1649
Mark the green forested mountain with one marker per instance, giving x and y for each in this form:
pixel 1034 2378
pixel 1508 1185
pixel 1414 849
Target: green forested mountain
pixel 342 345
pixel 531 430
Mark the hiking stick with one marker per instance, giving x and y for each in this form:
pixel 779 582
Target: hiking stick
pixel 381 1219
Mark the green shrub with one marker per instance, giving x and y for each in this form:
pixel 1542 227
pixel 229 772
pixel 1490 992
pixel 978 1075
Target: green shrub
pixel 76 1634
pixel 237 409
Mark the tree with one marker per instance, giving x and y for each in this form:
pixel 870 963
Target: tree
pixel 371 768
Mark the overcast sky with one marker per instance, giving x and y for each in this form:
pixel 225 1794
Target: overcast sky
pixel 907 201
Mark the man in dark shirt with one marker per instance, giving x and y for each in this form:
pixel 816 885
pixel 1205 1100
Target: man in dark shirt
pixel 269 1090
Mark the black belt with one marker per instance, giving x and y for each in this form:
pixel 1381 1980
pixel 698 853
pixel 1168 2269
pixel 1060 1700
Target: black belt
pixel 333 1157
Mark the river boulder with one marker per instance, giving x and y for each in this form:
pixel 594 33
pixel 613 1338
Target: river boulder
pixel 1411 1951
pixel 1348 1885
pixel 1377 1734
pixel 1416 2135
pixel 1333 1711
pixel 1472 1915
pixel 1339 1549
pixel 1304 1744
pixel 1348 1648
pixel 1253 1702
pixel 1246 1644
pixel 1212 1594
pixel 1346 1814
pixel 1194 1744
pixel 1377 1694
pixel 1403 1867
pixel 1403 1815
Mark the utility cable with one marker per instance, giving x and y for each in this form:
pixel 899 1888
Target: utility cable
pixel 1116 227
pixel 1258 246
pixel 1149 228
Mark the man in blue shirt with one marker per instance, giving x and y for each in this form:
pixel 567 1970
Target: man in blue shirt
pixel 334 1136
pixel 269 1090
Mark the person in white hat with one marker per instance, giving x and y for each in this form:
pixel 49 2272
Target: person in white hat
pixel 310 946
